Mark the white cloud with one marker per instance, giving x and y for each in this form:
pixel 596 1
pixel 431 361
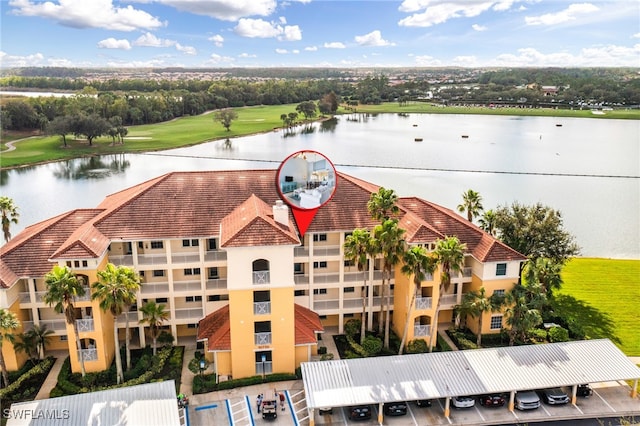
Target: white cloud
pixel 226 10
pixel 259 28
pixel 247 55
pixel 569 14
pixel 427 61
pixel 11 61
pixel 150 40
pixel 374 38
pixel 311 48
pixel 187 50
pixel 597 56
pixel 334 45
pixel 465 61
pixel 217 39
pixel 636 35
pixel 478 27
pixel 215 59
pixel 427 13
pixel 282 51
pixel 112 43
pixel 87 14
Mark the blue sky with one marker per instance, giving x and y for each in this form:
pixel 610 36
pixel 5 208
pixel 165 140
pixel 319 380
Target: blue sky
pixel 319 33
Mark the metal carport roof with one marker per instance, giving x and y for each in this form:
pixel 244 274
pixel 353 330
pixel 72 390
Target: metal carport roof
pixel 472 372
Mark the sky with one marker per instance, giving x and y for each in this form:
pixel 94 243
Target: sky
pixel 319 33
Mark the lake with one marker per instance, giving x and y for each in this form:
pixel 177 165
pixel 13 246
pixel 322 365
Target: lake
pixel 589 169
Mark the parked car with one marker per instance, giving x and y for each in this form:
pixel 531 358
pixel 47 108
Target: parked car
pixel 325 410
pixel 395 408
pixel 360 412
pixel 527 400
pixel 493 400
pixel 423 403
pixel 463 401
pixel 584 391
pixel 554 396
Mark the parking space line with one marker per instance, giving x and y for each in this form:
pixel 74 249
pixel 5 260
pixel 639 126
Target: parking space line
pixel 545 410
pixel 603 400
pixel 442 408
pixel 415 422
pixel 479 413
pixel 578 408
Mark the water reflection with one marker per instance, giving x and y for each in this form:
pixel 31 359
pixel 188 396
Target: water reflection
pixel 92 167
pixel 329 126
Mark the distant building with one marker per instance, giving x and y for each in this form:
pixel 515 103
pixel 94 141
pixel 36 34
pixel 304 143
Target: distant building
pixel 234 273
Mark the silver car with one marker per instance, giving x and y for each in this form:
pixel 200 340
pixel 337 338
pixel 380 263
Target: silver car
pixel 527 400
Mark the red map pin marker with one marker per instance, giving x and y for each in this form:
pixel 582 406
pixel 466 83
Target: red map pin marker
pixel 306 181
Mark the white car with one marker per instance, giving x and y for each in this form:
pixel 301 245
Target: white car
pixel 463 401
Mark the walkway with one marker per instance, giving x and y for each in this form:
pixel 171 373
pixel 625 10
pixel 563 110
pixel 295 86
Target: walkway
pixel 52 378
pixel 442 332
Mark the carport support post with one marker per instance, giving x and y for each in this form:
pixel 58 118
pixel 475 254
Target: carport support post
pixel 574 391
pixel 512 396
pixel 634 390
pixel 312 419
pixel 380 413
pixel 446 407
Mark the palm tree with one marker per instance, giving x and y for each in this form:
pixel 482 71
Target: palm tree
pixel 9 212
pixel 476 304
pixel 8 324
pixel 40 334
pixel 471 203
pixel 26 343
pixel 522 313
pixel 382 204
pixel 417 263
pixel 154 315
pixel 544 272
pixel 487 222
pixel 390 244
pixel 62 289
pixel 449 253
pixel 116 289
pixel 359 247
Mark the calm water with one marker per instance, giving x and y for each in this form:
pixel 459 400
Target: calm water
pixel 589 169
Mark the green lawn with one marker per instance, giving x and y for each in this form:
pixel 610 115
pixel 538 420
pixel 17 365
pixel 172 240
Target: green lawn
pixel 604 295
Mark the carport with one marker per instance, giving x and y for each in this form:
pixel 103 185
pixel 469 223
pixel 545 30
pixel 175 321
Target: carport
pixel 365 381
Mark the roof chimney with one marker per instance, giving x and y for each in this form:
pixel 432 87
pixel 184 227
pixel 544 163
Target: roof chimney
pixel 281 213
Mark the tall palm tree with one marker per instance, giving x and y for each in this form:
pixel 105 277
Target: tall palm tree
pixel 62 289
pixel 487 222
pixel 476 304
pixel 449 254
pixel 8 324
pixel 359 247
pixel 40 334
pixel 154 315
pixel 389 239
pixel 544 272
pixel 522 313
pixel 383 204
pixel 471 204
pixel 418 263
pixel 9 212
pixel 116 290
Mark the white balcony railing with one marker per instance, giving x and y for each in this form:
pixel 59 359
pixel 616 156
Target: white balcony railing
pixel 466 272
pixel 301 251
pixel 55 325
pixel 326 250
pixel 133 318
pixel 88 354
pixel 355 276
pixel 261 277
pixel 423 303
pixel 185 257
pixel 264 367
pixel 301 279
pixel 215 255
pixel 152 259
pixel 262 338
pixel 189 313
pixel 352 303
pixel 261 308
pixel 86 296
pixel 126 260
pixel 159 287
pixel 448 299
pixel 326 278
pixel 216 283
pixel 320 305
pixel 25 297
pixel 420 330
pixel 84 325
pixel 187 285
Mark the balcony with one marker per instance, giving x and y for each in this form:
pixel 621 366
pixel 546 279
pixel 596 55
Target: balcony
pixel 55 325
pixel 466 272
pixel 189 313
pixel 261 308
pixel 352 303
pixel 185 258
pixel 86 296
pixel 131 315
pixel 152 259
pixel 187 285
pixel 423 303
pixel 301 279
pixel 156 287
pixel 326 278
pixel 261 277
pixel 262 338
pixel 420 330
pixel 326 251
pixel 88 354
pixel 448 300
pixel 126 260
pixel 355 276
pixel 264 367
pixel 84 325
pixel 301 251
pixel 212 255
pixel 321 305
pixel 25 297
pixel 216 284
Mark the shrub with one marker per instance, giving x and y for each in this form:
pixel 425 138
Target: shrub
pixel 538 335
pixel 352 327
pixel 558 334
pixel 326 357
pixel 417 346
pixel 372 345
pixel 322 350
pixel 165 338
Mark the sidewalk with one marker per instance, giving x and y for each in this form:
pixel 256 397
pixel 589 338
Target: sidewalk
pixel 52 378
pixel 442 332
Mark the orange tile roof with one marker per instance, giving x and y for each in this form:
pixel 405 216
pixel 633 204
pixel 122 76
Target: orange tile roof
pixel 216 328
pixel 252 224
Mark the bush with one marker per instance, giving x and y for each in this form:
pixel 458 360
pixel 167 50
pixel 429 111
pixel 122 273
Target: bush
pixel 165 338
pixel 372 345
pixel 558 334
pixel 418 346
pixel 538 335
pixel 322 350
pixel 352 327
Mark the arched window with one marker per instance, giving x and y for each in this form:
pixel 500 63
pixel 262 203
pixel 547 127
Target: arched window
pixel 260 269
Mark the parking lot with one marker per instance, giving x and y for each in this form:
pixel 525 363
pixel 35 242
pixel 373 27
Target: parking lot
pixel 609 399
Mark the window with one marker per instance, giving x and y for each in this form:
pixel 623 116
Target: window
pixel 157 244
pixel 158 272
pixel 63 338
pixel 141 273
pixel 319 237
pixel 192 325
pixel 69 263
pixel 501 269
pixel 300 293
pixel 297 268
pixel 140 244
pixel 213 272
pixel 496 322
pixel 162 300
pixel 349 290
pixel 499 292
pixel 192 271
pixel 217 297
pixel 193 299
pixel 76 263
pixel 348 315
pixel 212 244
pixel 193 243
pixel 85 264
pixel 349 262
pixel 323 317
pixel 322 264
pixel 319 291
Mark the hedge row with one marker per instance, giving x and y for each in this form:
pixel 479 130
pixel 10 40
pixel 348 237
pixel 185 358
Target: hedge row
pixel 207 382
pixel 15 392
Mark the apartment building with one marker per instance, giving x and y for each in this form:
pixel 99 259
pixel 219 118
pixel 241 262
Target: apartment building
pixel 223 254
